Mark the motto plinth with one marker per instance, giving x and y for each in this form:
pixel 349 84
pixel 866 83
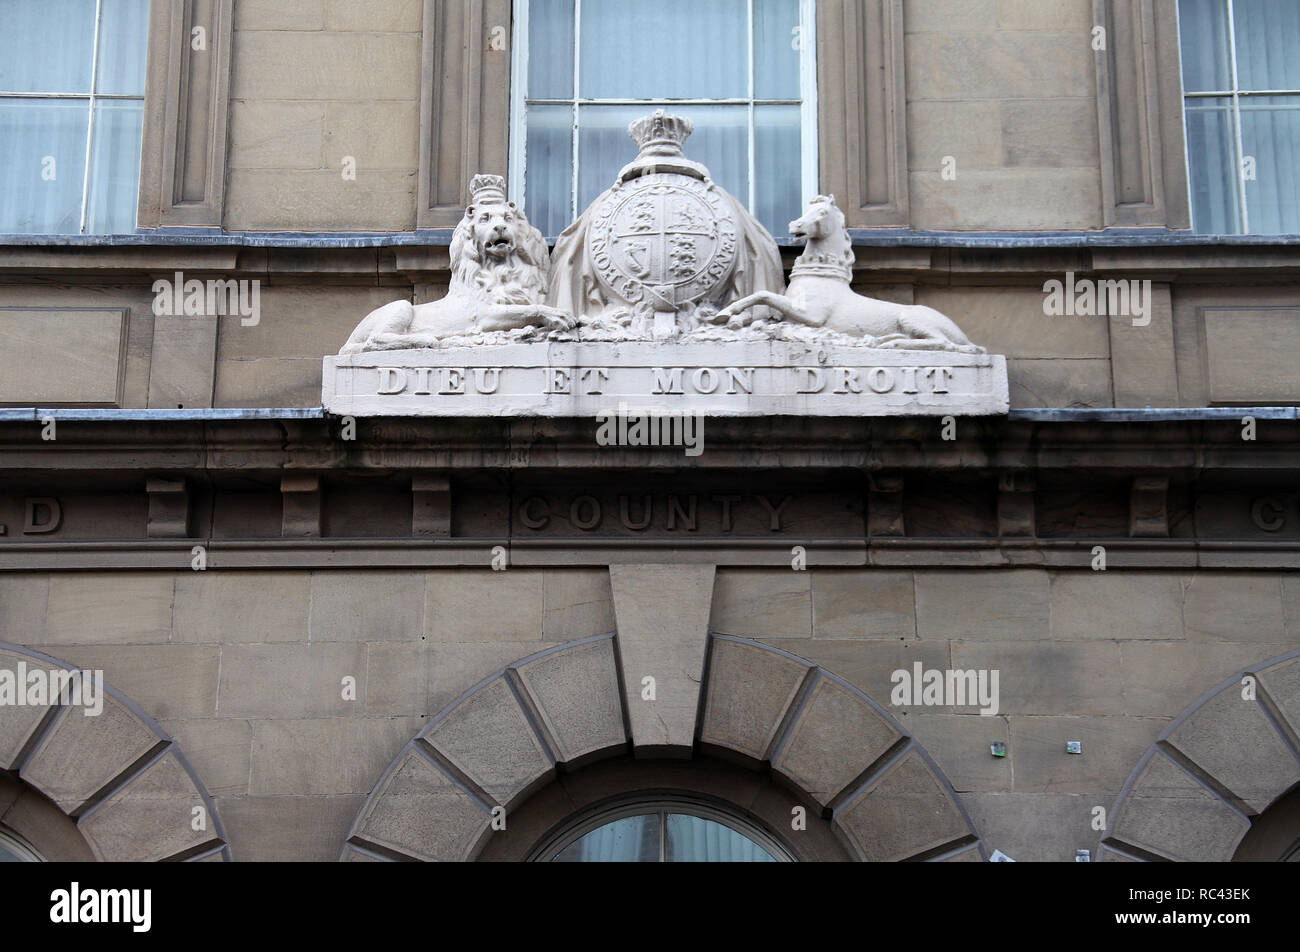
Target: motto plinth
pixel 714 378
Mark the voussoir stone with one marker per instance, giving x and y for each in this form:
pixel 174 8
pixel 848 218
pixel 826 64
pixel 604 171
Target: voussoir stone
pixel 750 689
pixel 1169 813
pixel 487 737
pixel 835 737
pixel 1232 740
pixel 575 690
pixel 1108 855
pixel 971 855
pixel 18 721
pixel 151 818
pixel 905 811
pixel 82 753
pixel 420 812
pixel 351 855
pixel 1282 684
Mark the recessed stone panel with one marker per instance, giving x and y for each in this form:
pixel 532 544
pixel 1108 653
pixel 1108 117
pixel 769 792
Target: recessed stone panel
pixel 53 356
pixel 1251 354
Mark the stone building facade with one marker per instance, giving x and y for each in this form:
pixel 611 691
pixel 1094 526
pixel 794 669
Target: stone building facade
pixel 327 638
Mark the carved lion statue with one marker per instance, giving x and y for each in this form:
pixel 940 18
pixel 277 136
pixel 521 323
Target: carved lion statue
pixel 500 271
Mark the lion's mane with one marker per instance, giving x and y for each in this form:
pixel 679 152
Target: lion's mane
pixel 521 278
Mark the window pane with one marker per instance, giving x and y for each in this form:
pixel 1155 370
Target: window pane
pixel 776 69
pixel 720 141
pixel 1203 29
pixel 12 851
pixel 671 49
pixel 604 147
pixel 1213 166
pixel 1270 133
pixel 634 839
pixel 43 155
pixel 692 839
pixel 46 46
pixel 115 167
pixel 1268 44
pixel 123 28
pixel 548 174
pixel 778 167
pixel 550 49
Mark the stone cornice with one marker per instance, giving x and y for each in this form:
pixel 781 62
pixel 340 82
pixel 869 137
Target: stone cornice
pixel 578 552
pixel 1181 442
pixel 884 254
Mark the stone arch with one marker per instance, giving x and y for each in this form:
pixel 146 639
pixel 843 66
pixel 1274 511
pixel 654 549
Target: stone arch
pixel 1195 792
pixel 117 775
pixel 562 708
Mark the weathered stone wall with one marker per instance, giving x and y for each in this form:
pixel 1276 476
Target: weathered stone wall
pixel 312 85
pixel 1206 344
pixel 244 669
pixel 1005 88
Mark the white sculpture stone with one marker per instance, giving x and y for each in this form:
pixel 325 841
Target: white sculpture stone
pixel 662 249
pixel 499 276
pixel 665 295
pixel 820 297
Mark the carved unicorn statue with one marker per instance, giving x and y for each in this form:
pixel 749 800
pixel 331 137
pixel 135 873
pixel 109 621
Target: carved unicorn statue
pixel 819 294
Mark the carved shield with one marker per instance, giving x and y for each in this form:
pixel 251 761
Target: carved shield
pixel 665 239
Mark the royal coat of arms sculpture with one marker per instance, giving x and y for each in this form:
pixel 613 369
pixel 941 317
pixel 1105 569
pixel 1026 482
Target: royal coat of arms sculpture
pixel 665 291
